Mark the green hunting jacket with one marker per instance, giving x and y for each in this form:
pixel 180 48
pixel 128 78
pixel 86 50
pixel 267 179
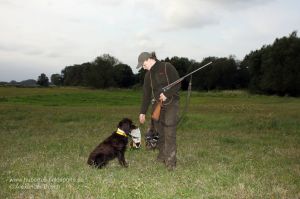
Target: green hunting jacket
pixel 160 75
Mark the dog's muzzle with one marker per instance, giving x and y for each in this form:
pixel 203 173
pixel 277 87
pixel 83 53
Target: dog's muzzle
pixel 136 138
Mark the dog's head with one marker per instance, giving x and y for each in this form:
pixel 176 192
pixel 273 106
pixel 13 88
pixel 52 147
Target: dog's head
pixel 126 125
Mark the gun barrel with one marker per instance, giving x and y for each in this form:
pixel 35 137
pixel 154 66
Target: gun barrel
pixel 172 84
pixel 182 78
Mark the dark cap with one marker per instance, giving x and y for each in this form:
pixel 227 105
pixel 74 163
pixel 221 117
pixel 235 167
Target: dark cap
pixel 142 58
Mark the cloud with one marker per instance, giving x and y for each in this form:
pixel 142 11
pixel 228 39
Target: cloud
pixel 172 15
pixel 145 41
pixel 21 48
pixel 176 15
pixel 53 55
pixel 241 4
pixel 112 3
pixel 187 15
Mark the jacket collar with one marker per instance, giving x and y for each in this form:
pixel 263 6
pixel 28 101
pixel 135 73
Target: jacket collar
pixel 155 66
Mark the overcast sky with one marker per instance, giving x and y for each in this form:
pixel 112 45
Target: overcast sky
pixel 44 36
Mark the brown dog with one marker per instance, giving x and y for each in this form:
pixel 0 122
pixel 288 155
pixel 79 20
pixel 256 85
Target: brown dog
pixel 113 146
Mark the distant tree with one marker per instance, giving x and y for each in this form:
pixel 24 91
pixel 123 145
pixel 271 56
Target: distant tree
pixel 275 69
pixel 242 76
pixel 228 74
pixel 281 67
pixel 13 82
pixel 221 74
pixel 97 74
pixel 28 83
pixel 73 75
pixel 85 73
pixel 100 72
pixel 140 76
pixel 110 60
pixel 205 78
pixel 123 76
pixel 43 80
pixel 253 62
pixel 56 79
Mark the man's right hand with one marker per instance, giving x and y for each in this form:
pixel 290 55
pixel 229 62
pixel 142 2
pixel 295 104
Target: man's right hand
pixel 142 118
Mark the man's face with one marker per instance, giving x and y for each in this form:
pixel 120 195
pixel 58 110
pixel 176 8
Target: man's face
pixel 147 64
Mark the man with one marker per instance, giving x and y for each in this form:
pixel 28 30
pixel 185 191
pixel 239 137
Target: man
pixel 160 74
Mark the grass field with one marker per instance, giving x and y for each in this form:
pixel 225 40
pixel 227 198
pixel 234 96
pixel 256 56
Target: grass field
pixel 230 145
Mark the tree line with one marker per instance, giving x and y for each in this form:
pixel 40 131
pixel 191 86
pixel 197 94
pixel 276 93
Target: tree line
pixel 273 69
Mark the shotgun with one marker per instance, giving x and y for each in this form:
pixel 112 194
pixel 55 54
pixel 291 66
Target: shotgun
pixel 157 109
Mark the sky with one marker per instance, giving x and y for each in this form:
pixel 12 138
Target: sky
pixel 45 36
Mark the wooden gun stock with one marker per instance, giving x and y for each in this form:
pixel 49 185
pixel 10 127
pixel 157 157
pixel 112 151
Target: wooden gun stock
pixel 156 111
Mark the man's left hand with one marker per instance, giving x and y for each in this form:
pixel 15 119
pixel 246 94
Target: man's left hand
pixel 162 97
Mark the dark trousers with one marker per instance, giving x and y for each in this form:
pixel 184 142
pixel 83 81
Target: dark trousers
pixel 166 127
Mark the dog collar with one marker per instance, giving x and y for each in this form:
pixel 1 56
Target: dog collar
pixel 120 132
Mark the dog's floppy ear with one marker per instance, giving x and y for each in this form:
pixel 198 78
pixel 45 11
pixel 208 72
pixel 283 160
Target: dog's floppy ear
pixel 125 121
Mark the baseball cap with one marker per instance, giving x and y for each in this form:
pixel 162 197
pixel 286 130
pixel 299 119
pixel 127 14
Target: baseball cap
pixel 143 57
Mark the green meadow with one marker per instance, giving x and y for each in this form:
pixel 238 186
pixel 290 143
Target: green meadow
pixel 230 144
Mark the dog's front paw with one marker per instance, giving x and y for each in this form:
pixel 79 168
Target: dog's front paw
pixel 125 164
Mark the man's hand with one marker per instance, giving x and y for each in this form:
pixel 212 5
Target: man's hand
pixel 142 118
pixel 162 97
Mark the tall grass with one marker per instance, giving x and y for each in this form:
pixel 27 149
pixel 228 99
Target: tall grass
pixel 230 145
